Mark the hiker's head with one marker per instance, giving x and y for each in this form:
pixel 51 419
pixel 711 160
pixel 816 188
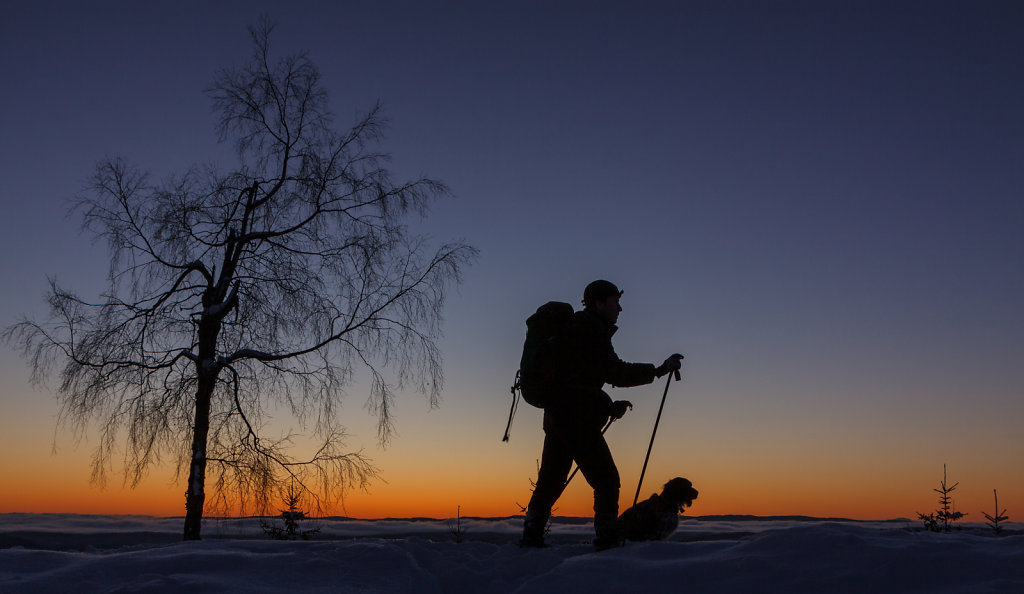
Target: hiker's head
pixel 602 297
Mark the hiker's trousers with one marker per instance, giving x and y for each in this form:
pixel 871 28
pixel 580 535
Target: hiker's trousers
pixel 563 444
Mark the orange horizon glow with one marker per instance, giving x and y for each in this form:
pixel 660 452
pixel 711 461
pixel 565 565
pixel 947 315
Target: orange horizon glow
pixel 492 479
pixel 446 462
pixel 394 500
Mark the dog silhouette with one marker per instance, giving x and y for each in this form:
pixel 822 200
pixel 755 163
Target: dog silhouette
pixel 658 517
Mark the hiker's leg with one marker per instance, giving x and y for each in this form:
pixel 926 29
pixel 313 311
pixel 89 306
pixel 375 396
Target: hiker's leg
pixel 598 467
pixel 555 462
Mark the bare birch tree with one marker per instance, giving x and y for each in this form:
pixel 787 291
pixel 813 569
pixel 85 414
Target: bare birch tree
pixel 270 287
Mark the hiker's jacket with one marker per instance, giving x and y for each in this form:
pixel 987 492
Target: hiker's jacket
pixel 591 364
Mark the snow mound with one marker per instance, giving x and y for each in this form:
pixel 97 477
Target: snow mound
pixel 771 556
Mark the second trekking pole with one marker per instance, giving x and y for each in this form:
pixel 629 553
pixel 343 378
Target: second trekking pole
pixel 653 433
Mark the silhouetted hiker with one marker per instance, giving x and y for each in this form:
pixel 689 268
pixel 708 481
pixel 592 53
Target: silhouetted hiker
pixel 573 421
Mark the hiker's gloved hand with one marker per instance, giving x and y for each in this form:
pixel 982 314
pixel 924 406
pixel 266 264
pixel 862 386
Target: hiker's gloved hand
pixel 673 363
pixel 619 408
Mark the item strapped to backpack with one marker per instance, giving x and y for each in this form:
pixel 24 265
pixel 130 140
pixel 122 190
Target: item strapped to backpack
pixel 543 360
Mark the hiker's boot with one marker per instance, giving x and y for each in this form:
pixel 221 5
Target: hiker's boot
pixel 608 533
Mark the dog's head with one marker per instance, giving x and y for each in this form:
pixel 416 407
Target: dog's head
pixel 680 491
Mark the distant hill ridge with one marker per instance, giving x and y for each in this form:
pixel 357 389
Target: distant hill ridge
pixel 587 520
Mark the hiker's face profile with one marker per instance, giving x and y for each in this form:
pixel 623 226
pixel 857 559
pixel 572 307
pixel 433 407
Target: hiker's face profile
pixel 609 308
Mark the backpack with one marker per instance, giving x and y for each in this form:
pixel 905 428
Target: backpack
pixel 544 357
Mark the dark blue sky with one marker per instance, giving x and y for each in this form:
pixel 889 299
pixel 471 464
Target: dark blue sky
pixel 819 203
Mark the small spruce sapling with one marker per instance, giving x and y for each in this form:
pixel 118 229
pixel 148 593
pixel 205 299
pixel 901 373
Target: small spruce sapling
pixel 291 517
pixel 943 518
pixel 458 531
pixel 993 521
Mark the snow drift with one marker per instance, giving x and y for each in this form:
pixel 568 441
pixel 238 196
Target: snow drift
pixel 48 553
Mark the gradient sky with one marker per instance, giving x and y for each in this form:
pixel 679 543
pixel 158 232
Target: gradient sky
pixel 818 203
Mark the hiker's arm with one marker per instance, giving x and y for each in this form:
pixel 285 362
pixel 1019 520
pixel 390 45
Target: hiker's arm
pixel 627 375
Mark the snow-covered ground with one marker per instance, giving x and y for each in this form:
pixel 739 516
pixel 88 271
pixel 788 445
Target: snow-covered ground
pixel 58 553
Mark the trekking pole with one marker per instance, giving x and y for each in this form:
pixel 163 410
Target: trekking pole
pixel 577 469
pixel 655 432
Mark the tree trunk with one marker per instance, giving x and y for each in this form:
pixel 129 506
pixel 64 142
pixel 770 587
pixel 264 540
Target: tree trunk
pixel 207 370
pixel 195 495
